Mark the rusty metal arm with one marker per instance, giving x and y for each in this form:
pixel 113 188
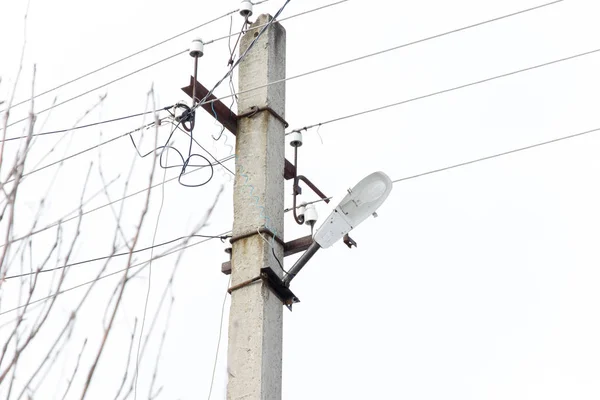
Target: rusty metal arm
pixel 226 116
pixel 298 190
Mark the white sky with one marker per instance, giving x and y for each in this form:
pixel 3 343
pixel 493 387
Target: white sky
pixel 475 283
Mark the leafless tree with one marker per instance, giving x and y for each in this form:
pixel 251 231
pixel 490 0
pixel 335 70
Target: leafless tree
pixel 35 335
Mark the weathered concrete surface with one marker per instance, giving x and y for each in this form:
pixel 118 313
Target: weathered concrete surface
pixel 256 316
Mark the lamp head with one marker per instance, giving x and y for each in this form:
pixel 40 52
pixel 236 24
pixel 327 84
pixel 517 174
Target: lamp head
pixel 360 202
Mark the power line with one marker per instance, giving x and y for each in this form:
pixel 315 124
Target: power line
pixel 497 155
pixel 257 36
pixel 381 52
pixel 307 203
pixel 452 89
pixel 86 126
pixel 151 65
pixel 63 221
pixel 352 60
pixel 160 209
pixel 110 141
pixel 226 233
pixel 222 237
pixel 141 264
pixel 212 380
pixel 349 116
pixel 208 152
pixel 126 57
pixel 83 151
pixel 369 111
pixel 281 20
pixel 100 87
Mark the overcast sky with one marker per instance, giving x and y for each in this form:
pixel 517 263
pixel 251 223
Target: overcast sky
pixel 479 282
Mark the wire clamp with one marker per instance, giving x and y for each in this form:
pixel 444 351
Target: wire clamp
pixel 263 230
pixel 274 283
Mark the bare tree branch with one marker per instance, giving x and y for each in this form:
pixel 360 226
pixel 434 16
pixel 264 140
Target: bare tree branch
pixel 160 348
pixel 124 280
pixel 128 360
pixel 12 97
pixel 18 168
pixel 56 345
pixel 70 381
pixel 169 285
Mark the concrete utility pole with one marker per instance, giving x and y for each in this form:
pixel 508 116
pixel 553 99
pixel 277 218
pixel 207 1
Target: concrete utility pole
pixel 256 314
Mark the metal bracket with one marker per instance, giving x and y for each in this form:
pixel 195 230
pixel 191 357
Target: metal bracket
pixel 349 241
pixel 255 110
pixel 225 116
pixel 283 293
pixel 275 284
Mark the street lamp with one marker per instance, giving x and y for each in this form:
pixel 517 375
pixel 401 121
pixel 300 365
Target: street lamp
pixel 361 201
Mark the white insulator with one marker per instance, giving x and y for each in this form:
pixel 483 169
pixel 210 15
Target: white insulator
pixel 310 215
pixel 301 210
pixel 197 48
pixel 296 139
pixel 246 8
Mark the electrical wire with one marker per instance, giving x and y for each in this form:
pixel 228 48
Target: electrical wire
pixel 187 116
pixel 85 126
pixel 462 164
pixel 352 60
pixel 237 41
pixel 83 151
pixel 162 203
pixel 321 123
pixel 376 109
pixel 63 221
pixel 257 36
pixel 296 76
pixel 208 152
pixel 281 20
pixel 278 262
pixel 305 204
pixel 332 66
pixel 129 133
pixel 138 265
pixel 99 87
pixel 129 56
pixel 148 48
pixel 405 101
pixel 231 89
pixel 212 380
pixel 222 237
pixel 167 147
pixel 233 94
pixel 452 89
pixel 185 162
